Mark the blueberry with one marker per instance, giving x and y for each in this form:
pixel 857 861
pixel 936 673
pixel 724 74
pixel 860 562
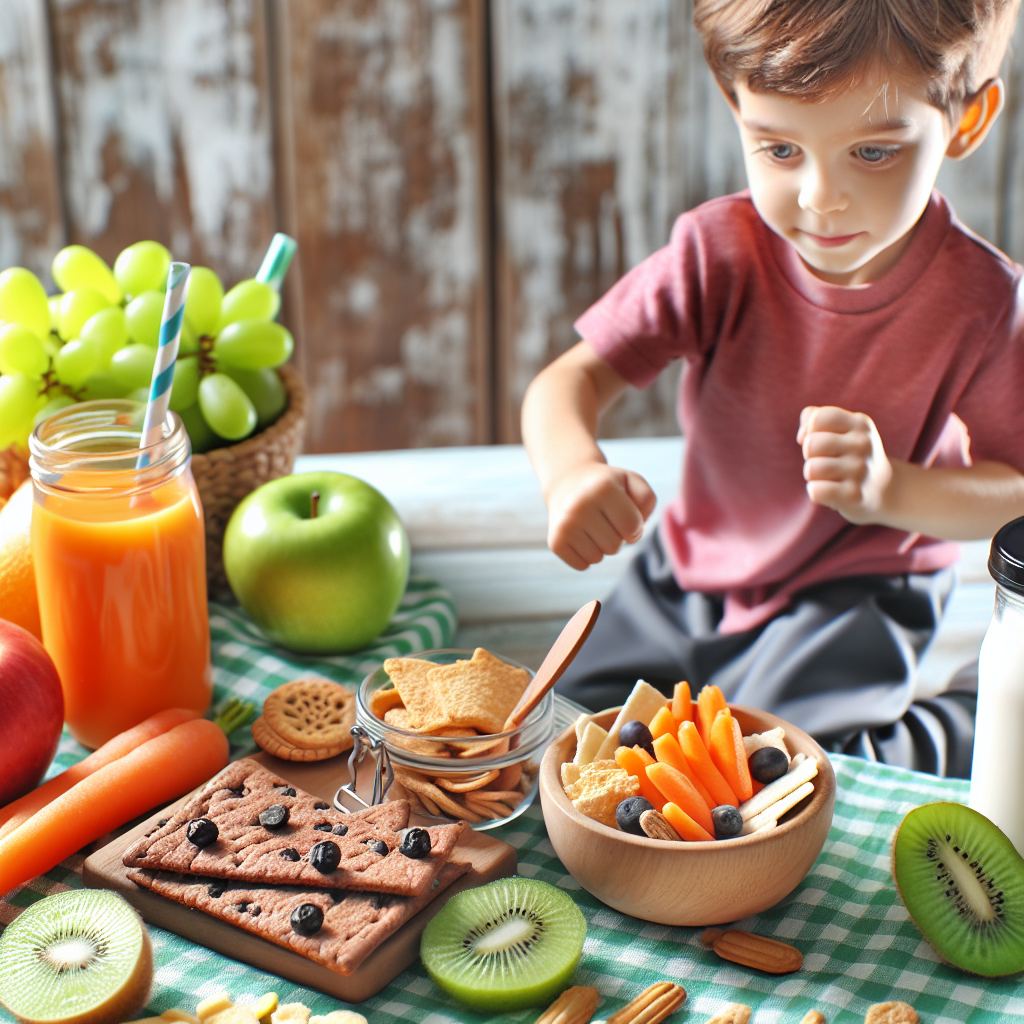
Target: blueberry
pixel 274 817
pixel 201 832
pixel 290 854
pixel 768 764
pixel 636 734
pixel 340 830
pixel 415 843
pixel 325 856
pixel 307 919
pixel 324 826
pixel 627 814
pixel 377 846
pixel 727 820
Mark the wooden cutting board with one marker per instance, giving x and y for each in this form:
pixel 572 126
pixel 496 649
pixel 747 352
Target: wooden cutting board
pixel 490 859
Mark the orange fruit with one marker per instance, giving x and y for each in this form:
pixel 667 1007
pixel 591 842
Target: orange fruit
pixel 18 601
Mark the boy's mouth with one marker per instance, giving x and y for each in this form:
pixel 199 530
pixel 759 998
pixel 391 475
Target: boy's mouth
pixel 831 241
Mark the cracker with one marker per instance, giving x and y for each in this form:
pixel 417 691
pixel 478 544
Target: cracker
pixel 479 693
pixel 509 777
pixel 461 785
pixel 410 678
pixel 425 789
pixel 600 788
pixel 311 713
pixel 274 745
pixel 382 701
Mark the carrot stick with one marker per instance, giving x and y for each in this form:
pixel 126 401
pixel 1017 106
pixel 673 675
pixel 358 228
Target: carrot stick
pixel 727 753
pixel 663 723
pixel 697 754
pixel 680 791
pixel 685 825
pixel 668 751
pixel 20 810
pixel 628 759
pixel 710 701
pixel 151 775
pixel 682 709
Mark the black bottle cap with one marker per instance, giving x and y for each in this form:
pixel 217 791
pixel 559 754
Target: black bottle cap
pixel 1006 559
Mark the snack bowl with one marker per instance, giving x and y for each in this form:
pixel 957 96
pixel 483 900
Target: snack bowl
pixel 426 765
pixel 689 883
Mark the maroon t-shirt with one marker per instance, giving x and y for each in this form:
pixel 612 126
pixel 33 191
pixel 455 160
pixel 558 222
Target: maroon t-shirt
pixel 933 352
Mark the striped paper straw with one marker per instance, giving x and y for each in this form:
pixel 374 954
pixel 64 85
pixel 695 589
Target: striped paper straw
pixel 166 353
pixel 275 263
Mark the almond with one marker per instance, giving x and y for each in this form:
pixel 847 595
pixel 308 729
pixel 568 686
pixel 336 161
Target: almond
pixel 813 1017
pixel 709 935
pixel 734 1013
pixel 657 826
pixel 891 1013
pixel 758 951
pixel 654 1004
pixel 575 1005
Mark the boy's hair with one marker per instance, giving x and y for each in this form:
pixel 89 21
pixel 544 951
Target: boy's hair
pixel 812 49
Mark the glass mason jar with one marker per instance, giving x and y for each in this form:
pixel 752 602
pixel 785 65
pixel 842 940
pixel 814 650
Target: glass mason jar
pixel 120 563
pixel 997 770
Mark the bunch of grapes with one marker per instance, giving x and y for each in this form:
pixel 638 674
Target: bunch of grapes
pixel 99 337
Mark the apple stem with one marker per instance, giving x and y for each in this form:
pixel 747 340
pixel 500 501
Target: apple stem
pixel 314 500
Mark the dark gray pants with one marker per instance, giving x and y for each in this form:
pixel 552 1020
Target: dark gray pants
pixel 840 661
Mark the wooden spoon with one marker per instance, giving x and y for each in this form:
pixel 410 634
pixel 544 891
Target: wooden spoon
pixel 555 662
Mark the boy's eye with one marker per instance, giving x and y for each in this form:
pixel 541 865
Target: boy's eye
pixel 781 150
pixel 877 154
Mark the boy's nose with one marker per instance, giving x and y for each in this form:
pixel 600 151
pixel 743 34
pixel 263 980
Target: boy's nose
pixel 821 192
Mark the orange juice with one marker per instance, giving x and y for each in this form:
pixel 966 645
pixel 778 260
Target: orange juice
pixel 120 566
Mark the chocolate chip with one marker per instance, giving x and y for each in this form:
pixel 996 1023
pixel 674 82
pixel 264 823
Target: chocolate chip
pixel 321 806
pixel 242 907
pixel 255 912
pixel 286 791
pixel 324 826
pixel 307 919
pixel 162 822
pixel 380 900
pixel 216 890
pixel 340 829
pixel 201 832
pixel 290 854
pixel 274 817
pixel 325 856
pixel 378 846
pixel 238 791
pixel 337 894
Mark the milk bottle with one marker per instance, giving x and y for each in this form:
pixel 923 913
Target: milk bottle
pixel 997 771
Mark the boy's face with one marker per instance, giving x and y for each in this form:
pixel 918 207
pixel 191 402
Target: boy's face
pixel 843 180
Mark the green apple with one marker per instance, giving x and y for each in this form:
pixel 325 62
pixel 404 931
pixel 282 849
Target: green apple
pixel 319 560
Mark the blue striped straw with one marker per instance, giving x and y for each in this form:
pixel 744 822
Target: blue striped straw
pixel 166 353
pixel 275 263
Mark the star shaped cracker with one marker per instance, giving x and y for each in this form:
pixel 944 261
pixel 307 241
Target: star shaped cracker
pixel 477 694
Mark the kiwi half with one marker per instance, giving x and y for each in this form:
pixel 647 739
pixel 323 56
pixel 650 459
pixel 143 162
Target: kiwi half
pixel 78 957
pixel 963 884
pixel 505 945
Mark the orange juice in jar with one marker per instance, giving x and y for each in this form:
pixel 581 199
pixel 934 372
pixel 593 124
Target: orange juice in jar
pixel 120 566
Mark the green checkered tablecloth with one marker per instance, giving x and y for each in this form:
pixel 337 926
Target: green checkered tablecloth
pixel 858 943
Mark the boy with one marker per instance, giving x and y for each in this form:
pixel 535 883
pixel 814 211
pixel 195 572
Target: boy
pixel 850 396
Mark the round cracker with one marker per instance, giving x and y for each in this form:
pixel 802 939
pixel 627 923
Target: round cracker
pixel 311 714
pixel 274 745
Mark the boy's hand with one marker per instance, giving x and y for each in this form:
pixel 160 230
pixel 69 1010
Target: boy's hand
pixel 845 464
pixel 594 509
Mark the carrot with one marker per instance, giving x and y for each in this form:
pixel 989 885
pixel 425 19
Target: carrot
pixel 682 709
pixel 663 723
pixel 727 753
pixel 710 701
pixel 20 810
pixel 668 751
pixel 680 791
pixel 151 775
pixel 685 825
pixel 628 759
pixel 697 754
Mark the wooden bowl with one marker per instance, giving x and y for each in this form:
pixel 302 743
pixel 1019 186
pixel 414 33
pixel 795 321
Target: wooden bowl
pixel 689 883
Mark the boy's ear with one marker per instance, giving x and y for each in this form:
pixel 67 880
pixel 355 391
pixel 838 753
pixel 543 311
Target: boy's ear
pixel 981 111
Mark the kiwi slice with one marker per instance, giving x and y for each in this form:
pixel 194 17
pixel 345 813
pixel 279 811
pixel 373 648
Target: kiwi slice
pixel 963 884
pixel 505 945
pixel 78 957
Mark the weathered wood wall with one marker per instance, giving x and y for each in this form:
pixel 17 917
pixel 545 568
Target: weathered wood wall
pixel 464 178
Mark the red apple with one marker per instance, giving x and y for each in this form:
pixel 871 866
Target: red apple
pixel 31 711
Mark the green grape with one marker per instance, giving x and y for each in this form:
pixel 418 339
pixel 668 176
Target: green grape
pixel 21 351
pixel 226 407
pixel 75 267
pixel 103 385
pixel 143 315
pixel 265 391
pixel 142 267
pixel 253 344
pixel 18 403
pixel 249 300
pixel 132 366
pixel 108 331
pixel 52 405
pixel 185 386
pixel 188 345
pixel 52 346
pixel 75 308
pixel 23 301
pixel 199 432
pixel 202 303
pixel 53 302
pixel 77 361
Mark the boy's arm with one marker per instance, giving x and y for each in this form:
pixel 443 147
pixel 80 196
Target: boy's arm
pixel 592 507
pixel 846 469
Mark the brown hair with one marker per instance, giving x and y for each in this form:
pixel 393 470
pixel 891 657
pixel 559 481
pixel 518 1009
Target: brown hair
pixel 812 49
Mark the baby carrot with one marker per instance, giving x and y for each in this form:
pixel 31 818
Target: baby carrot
pixel 697 754
pixel 668 751
pixel 663 723
pixel 680 791
pixel 682 709
pixel 709 702
pixel 685 825
pixel 630 759
pixel 151 775
pixel 22 809
pixel 727 753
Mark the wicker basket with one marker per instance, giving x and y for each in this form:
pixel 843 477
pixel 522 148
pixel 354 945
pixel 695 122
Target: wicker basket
pixel 224 476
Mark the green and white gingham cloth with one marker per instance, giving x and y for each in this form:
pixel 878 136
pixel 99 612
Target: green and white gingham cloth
pixel 859 945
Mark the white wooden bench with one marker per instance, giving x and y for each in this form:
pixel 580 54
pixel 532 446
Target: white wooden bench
pixel 477 523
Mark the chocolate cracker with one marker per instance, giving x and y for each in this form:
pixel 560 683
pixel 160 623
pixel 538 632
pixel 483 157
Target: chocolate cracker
pixel 294 826
pixel 354 923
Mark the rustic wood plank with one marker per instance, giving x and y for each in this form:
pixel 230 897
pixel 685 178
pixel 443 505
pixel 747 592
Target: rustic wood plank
pixel 165 117
pixel 386 113
pixel 31 220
